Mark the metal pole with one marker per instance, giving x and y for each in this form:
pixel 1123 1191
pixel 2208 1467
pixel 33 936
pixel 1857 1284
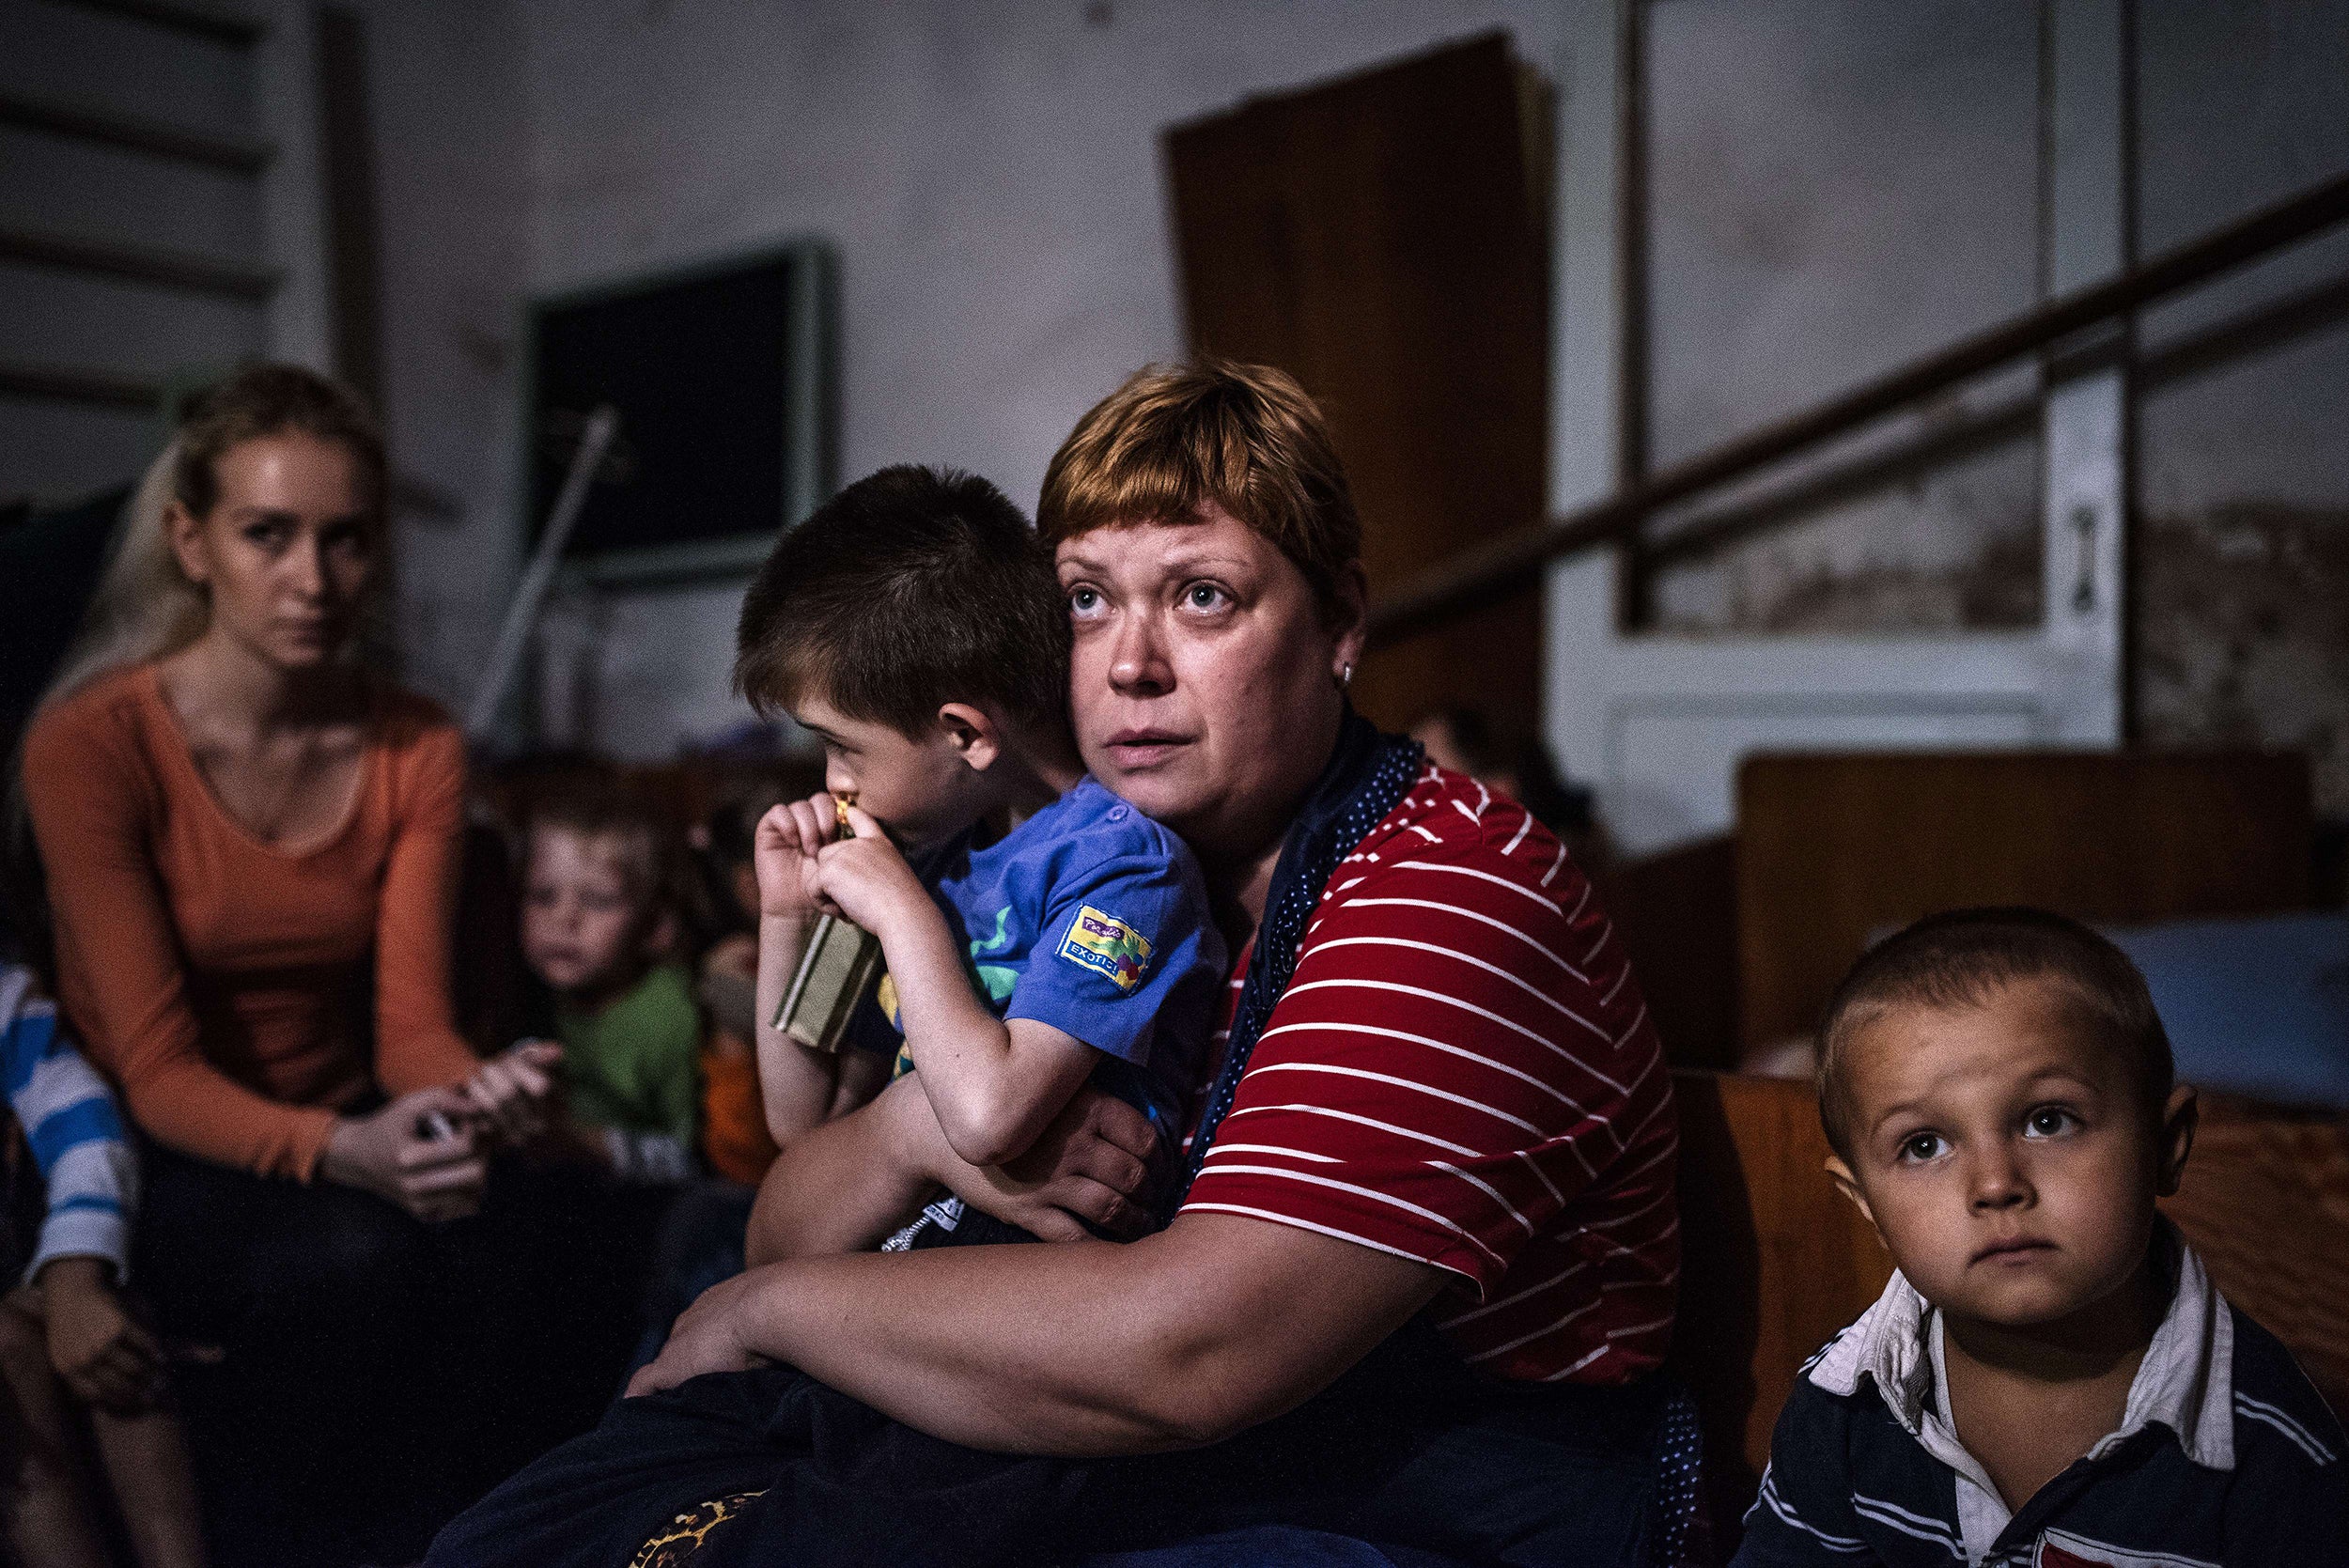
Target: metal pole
pixel 529 594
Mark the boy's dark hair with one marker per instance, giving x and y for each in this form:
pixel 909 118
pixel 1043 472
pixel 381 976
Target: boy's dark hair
pixel 1961 958
pixel 913 588
pixel 592 807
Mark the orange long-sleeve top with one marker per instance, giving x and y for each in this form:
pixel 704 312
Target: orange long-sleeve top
pixel 224 984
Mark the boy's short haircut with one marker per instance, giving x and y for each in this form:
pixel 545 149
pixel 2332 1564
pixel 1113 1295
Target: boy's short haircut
pixel 913 588
pixel 603 807
pixel 1173 440
pixel 1961 958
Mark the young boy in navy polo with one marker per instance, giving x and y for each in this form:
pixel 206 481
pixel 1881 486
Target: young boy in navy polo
pixel 915 625
pixel 2050 1379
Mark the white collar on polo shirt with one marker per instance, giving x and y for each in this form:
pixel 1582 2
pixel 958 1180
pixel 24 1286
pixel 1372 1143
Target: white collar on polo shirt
pixel 2185 1381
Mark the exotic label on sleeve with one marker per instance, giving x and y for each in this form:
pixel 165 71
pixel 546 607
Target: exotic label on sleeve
pixel 1100 942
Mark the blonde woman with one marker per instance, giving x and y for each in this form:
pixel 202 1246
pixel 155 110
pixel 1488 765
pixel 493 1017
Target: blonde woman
pixel 252 847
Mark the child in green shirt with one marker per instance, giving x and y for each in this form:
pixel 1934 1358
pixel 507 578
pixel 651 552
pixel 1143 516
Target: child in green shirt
pixel 597 927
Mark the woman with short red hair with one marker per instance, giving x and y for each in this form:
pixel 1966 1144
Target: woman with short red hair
pixel 1415 1294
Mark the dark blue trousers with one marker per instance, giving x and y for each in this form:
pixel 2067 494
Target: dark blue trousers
pixel 376 1373
pixel 1408 1454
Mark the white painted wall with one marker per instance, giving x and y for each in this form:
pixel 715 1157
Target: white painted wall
pixel 1836 187
pixel 988 171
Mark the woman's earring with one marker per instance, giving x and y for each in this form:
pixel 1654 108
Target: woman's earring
pixel 1346 675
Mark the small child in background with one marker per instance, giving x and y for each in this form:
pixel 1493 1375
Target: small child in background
pixel 917 628
pixel 2050 1380
pixel 72 1353
pixel 599 926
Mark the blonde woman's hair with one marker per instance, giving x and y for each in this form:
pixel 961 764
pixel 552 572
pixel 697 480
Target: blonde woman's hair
pixel 145 606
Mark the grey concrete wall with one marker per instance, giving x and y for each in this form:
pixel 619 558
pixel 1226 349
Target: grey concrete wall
pixel 1836 187
pixel 2242 474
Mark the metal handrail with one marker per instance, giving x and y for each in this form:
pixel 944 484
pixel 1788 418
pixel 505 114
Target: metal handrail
pixel 1505 565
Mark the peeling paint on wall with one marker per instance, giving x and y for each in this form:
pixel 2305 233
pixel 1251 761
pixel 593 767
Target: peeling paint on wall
pixel 1957 551
pixel 1999 588
pixel 2243 633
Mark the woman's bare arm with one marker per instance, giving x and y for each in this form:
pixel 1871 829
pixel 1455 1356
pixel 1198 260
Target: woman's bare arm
pixel 1176 1341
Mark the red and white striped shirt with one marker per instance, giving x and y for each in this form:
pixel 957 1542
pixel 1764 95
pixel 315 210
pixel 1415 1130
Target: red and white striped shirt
pixel 1462 1071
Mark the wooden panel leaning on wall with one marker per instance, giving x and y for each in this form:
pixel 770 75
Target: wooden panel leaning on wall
pixel 1774 1260
pixel 1379 239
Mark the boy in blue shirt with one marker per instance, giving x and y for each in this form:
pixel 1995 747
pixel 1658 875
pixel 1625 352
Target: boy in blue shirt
pixel 2050 1380
pixel 915 625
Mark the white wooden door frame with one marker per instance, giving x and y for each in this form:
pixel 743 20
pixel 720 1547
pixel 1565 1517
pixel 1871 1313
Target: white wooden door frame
pixel 1659 723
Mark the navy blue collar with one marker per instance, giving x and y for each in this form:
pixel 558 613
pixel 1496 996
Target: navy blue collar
pixel 1368 775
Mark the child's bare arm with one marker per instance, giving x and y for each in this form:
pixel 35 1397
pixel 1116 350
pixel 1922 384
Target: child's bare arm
pixel 97 1348
pixel 147 1465
pixel 993 1086
pixel 848 1185
pixel 802 1088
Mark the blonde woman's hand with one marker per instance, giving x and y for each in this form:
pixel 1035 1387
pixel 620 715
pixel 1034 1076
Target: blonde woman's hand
pixel 402 1154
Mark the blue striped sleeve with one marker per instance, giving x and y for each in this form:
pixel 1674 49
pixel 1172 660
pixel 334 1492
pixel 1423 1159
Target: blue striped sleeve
pixel 75 1128
pixel 90 1121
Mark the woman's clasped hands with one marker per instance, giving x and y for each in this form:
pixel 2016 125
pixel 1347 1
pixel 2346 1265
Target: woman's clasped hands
pixel 428 1151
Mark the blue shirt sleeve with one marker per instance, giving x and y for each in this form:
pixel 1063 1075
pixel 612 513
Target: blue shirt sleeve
pixel 1118 937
